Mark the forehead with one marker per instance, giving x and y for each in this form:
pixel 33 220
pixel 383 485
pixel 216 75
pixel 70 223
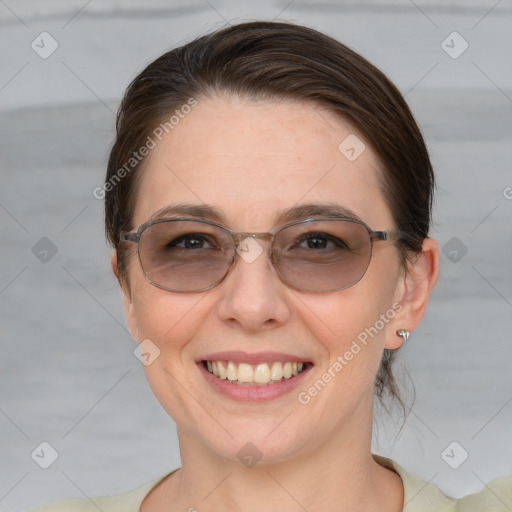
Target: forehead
pixel 253 160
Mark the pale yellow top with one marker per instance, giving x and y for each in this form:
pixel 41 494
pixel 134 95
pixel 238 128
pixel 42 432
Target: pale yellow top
pixel 419 496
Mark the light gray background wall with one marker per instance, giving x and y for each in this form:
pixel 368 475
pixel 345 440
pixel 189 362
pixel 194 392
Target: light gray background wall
pixel 68 373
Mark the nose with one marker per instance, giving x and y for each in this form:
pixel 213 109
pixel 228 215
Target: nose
pixel 252 296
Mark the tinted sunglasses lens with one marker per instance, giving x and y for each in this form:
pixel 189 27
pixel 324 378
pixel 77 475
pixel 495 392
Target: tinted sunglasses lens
pixel 323 255
pixel 185 256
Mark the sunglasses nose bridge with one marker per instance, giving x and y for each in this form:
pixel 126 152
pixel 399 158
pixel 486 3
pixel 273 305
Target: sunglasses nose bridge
pixel 247 253
pixel 238 238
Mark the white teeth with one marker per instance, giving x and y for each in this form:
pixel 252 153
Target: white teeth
pixel 277 371
pixel 262 373
pixel 231 372
pixel 222 370
pixel 244 373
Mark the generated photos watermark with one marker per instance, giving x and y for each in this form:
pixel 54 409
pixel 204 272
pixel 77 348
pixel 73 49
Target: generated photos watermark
pixel 151 142
pixel 304 397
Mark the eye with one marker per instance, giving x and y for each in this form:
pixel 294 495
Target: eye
pixel 321 241
pixel 193 241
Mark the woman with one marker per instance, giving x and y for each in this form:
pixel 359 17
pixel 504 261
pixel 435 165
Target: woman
pixel 268 199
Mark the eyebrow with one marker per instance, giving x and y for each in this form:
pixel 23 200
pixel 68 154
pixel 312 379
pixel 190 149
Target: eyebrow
pixel 214 214
pixel 317 210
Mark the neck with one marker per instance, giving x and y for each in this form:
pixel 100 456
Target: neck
pixel 339 475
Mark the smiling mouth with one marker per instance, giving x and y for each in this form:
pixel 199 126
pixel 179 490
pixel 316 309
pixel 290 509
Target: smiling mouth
pixel 262 374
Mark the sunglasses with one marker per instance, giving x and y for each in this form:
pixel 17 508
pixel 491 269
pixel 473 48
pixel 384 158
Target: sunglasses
pixel 314 255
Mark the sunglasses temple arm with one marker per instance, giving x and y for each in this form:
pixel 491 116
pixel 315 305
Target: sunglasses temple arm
pixel 128 237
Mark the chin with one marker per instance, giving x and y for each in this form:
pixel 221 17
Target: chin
pixel 259 442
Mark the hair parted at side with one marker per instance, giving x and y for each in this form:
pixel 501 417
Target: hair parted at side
pixel 277 61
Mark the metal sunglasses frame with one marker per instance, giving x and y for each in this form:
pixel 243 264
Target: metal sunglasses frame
pixel 239 236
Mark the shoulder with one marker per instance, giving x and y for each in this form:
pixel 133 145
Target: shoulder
pixel 495 496
pixel 65 505
pixel 422 496
pixel 128 502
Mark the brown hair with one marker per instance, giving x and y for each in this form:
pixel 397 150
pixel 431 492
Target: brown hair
pixel 276 60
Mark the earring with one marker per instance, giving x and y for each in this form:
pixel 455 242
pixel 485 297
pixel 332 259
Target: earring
pixel 403 333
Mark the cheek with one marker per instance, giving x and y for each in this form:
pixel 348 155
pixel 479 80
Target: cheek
pixel 356 331
pixel 167 319
pixel 355 325
pixel 351 336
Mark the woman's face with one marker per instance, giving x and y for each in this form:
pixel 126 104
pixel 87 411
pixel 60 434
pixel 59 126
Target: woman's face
pixel 252 161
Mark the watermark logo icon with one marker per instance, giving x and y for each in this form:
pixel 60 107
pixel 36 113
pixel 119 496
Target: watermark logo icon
pixel 454 249
pixel 249 454
pixel 44 250
pixel 249 249
pixel 454 45
pixel 44 455
pixel 351 147
pixel 44 45
pixel 454 455
pixel 146 352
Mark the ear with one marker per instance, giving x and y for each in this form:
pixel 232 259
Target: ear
pixel 126 297
pixel 413 292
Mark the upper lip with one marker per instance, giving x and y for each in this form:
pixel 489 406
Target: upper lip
pixel 254 358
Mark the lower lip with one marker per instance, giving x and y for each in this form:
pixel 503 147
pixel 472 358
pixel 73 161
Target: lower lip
pixel 247 393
